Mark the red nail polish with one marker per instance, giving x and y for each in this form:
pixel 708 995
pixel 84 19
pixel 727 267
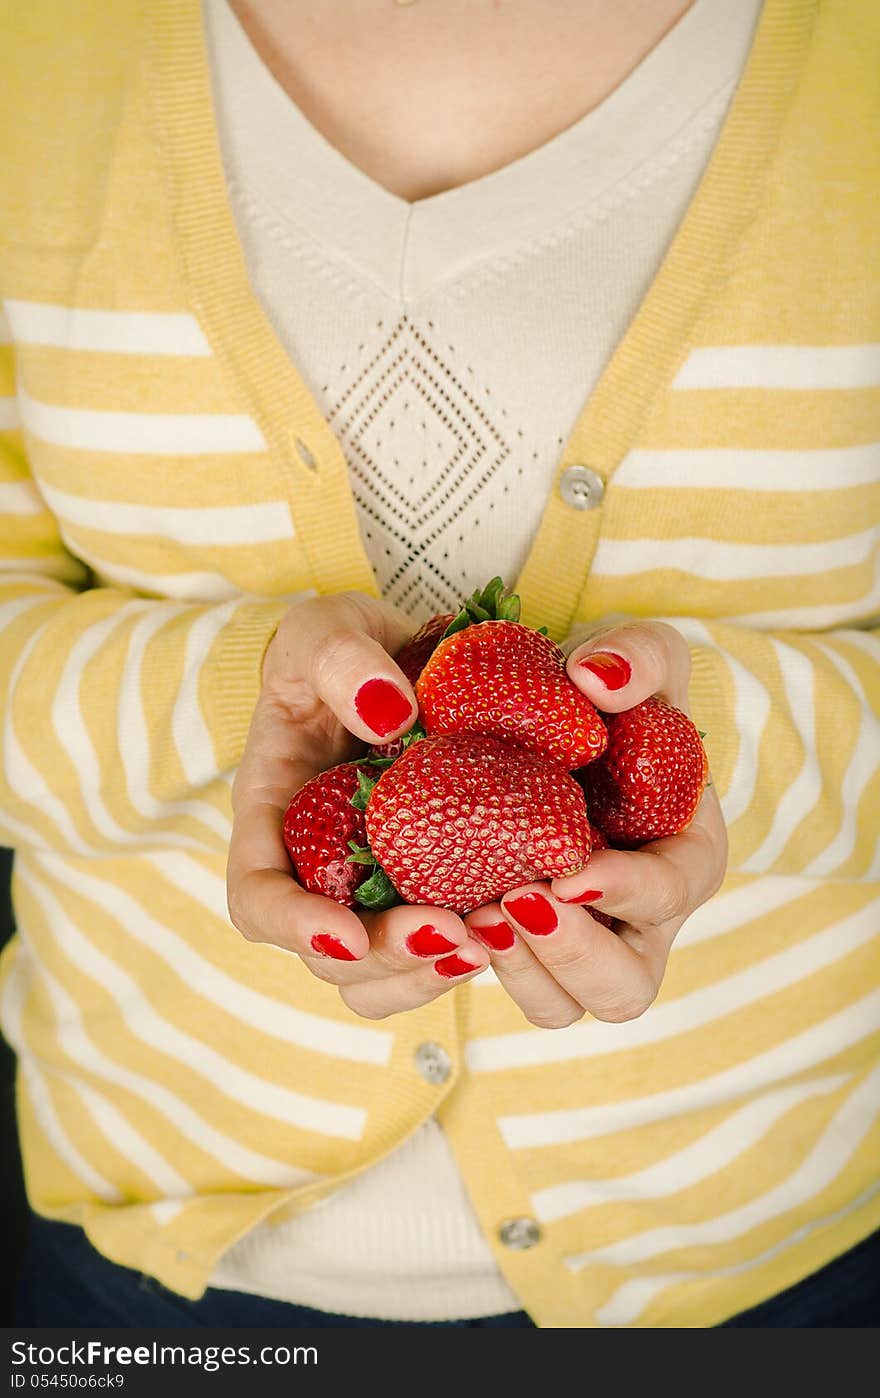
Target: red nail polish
pixel 532 912
pixel 325 944
pixel 498 936
pixel 590 895
pixel 453 966
pixel 613 670
pixel 427 941
pixel 382 706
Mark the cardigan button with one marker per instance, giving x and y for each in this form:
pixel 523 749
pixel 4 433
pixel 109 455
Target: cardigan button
pixel 519 1233
pixel 433 1063
pixel 581 488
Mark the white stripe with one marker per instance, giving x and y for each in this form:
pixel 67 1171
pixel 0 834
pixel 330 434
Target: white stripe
pixel 238 1084
pixel 862 768
pixel 794 1056
pixel 631 1299
pixel 838 1143
pixel 231 1154
pixel 733 908
pixel 278 1018
pixel 10 417
pixel 821 616
pixel 5 331
pixel 672 1018
pixel 141 434
pixel 800 797
pixel 114 332
pixel 137 736
pixel 722 562
pixel 165 1210
pixel 128 1142
pixel 204 526
pixel 73 733
pixel 181 587
pixel 714 1151
pixel 40 1097
pixel 750 713
pixel 724 468
pixel 25 781
pixel 20 498
pixel 781 366
pixel 18 832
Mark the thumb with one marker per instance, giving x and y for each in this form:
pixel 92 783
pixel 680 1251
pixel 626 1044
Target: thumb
pixel 620 666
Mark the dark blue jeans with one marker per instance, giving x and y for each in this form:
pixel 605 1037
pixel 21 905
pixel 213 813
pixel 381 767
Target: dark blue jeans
pixel 65 1282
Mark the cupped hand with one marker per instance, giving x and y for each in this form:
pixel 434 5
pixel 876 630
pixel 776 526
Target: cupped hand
pixel 551 955
pixel 329 681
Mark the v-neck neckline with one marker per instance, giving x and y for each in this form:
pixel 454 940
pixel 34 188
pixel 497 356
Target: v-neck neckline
pixel 407 249
pixel 297 434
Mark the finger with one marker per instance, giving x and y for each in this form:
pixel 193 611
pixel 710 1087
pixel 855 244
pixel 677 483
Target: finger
pixel 335 651
pixel 402 940
pixel 602 972
pixel 396 994
pixel 621 665
pixel 266 903
pixel 541 998
pixel 661 884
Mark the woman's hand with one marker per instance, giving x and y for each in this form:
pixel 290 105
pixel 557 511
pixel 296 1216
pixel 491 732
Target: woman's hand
pixel 328 680
pixel 552 957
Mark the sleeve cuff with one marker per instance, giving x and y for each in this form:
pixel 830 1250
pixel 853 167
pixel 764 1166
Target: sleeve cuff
pixel 236 675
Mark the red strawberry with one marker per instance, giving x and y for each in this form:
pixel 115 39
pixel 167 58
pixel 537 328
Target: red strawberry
pixel 650 780
pixel 503 679
pixel 321 827
pixel 458 821
pixel 412 657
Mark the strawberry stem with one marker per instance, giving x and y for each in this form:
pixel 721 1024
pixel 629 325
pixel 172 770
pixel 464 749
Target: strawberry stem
pixel 486 604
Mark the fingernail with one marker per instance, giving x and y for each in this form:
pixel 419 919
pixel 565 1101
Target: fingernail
pixel 498 936
pixel 382 706
pixel 427 941
pixel 327 945
pixel 533 912
pixel 590 895
pixel 453 966
pixel 613 670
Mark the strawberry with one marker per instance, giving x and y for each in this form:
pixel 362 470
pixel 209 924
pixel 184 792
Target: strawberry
pixel 412 657
pixel 507 681
pixel 459 820
pixel 323 823
pixel 650 779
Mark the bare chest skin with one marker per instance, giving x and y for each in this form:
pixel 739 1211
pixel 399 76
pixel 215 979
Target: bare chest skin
pixel 427 95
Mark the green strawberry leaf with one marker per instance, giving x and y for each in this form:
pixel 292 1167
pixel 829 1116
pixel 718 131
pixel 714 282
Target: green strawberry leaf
pixel 377 892
pixel 362 854
pixel 485 604
pixel 458 623
pixel 542 631
pixel 491 595
pixel 701 732
pixel 364 791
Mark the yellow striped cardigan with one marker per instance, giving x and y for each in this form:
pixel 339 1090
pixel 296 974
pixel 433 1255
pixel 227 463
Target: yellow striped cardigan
pixel 168 485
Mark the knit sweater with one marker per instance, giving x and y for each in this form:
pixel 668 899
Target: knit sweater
pixel 390 310
pixel 170 483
